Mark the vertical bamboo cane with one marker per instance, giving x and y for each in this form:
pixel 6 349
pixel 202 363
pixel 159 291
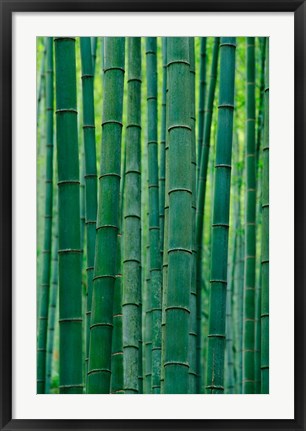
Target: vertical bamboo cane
pixel 216 336
pixel 45 286
pixel 265 240
pixel 99 370
pixel 180 213
pixel 250 245
pixel 132 223
pixel 70 292
pixel 155 257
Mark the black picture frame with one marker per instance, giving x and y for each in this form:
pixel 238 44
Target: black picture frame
pixel 7 9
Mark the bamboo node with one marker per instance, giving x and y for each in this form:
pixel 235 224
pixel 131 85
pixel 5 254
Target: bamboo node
pixel 151 98
pixel 89 126
pixel 226 105
pixel 223 165
pixel 132 216
pixel 264 315
pixel 97 277
pixel 69 250
pixel 131 260
pixel 60 39
pixel 109 325
pixel 138 126
pixel 177 307
pixel 183 364
pixel 171 250
pixel 90 222
pixel 218 387
pixel 62 111
pixel 226 225
pixel 64 182
pixel 216 336
pixel 134 79
pixel 179 126
pixel 265 261
pixel 131 389
pixel 90 176
pixel 71 319
pixel 106 69
pixel 233 45
pixel 178 62
pixel 99 370
pixel 112 122
pixel 179 189
pixel 110 174
pixel 117 353
pixel 90 268
pixel 87 75
pixel 218 281
pixel 111 226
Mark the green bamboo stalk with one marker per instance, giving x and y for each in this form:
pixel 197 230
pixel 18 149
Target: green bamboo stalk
pixel 261 99
pixel 45 285
pixel 132 224
pixel 117 383
pixel 250 245
pixel 180 212
pixel 99 370
pixel 148 328
pixel 155 257
pixel 42 82
pixel 52 308
pixel 90 173
pixel 193 293
pixel 166 225
pixel 259 139
pixel 201 199
pixel 70 292
pixel 220 225
pixel 93 43
pixel 257 358
pixel 237 274
pixel 202 99
pixel 162 162
pixel 265 240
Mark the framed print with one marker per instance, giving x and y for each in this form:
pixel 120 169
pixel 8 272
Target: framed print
pixel 152 215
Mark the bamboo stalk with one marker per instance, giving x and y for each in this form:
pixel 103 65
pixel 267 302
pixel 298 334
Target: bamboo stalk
pixel 250 221
pixel 90 173
pixel 132 224
pixel 155 258
pixel 166 226
pixel 265 240
pixel 45 283
pixel 177 309
pixel 201 198
pixel 218 282
pixel 193 292
pixel 202 101
pixel 52 308
pixel 70 293
pixel 99 370
pixel 162 162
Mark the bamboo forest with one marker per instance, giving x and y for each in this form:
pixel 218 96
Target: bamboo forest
pixel 152 215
